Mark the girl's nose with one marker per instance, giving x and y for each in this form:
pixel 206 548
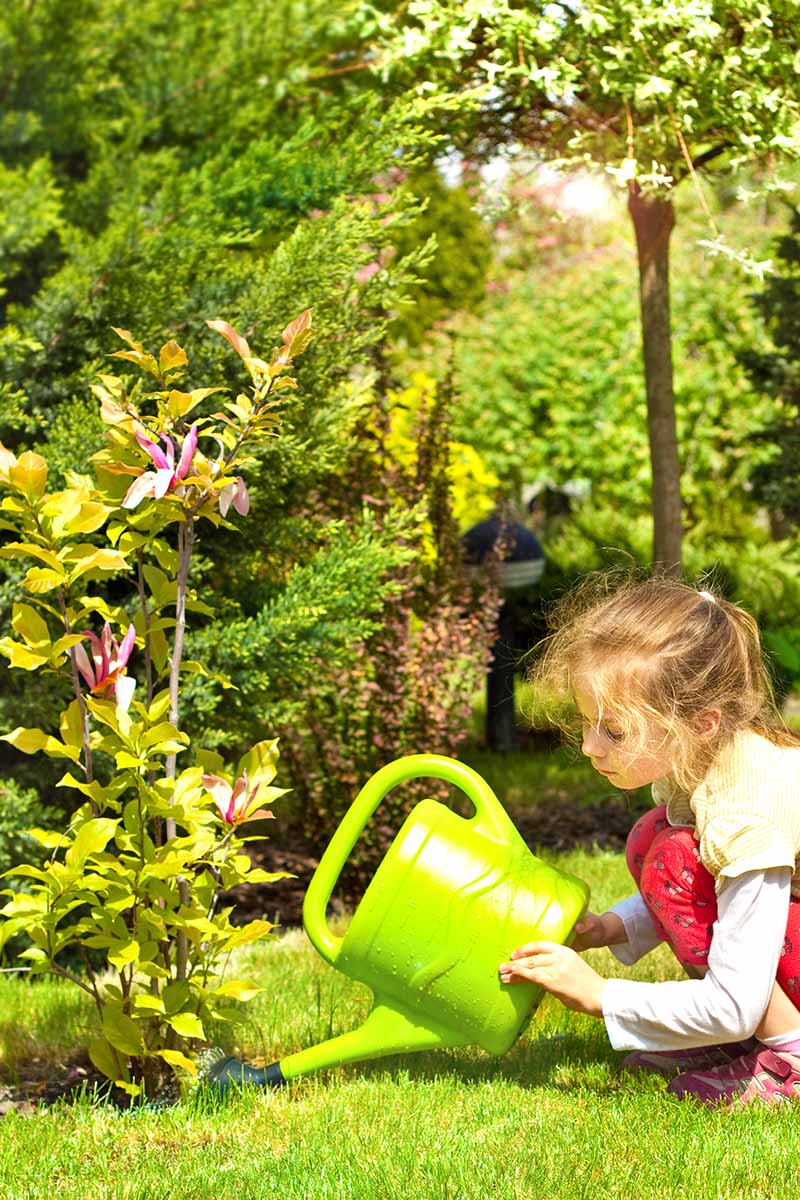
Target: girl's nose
pixel 592 745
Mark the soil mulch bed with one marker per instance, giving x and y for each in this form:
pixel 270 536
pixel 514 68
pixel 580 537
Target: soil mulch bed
pixel 41 1084
pixel 567 825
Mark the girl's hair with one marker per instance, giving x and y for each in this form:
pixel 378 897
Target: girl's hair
pixel 654 655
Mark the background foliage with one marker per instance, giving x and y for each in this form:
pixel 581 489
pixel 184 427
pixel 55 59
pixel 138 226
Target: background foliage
pixel 159 168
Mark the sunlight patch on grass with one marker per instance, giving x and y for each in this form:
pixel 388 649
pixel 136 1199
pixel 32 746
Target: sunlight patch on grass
pixel 47 1021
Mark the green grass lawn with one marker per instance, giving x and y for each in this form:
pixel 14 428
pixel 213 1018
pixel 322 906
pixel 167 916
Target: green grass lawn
pixel 555 1118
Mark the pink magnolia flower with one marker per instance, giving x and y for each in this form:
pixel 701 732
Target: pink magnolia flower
pixel 236 804
pixel 104 672
pixel 157 483
pixel 236 494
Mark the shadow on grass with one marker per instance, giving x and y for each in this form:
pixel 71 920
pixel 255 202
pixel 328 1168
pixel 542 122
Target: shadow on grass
pixel 533 1063
pixel 560 1062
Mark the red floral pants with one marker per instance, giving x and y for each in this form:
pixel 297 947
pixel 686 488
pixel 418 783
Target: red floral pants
pixel 664 861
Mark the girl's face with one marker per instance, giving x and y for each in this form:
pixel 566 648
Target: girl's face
pixel 603 742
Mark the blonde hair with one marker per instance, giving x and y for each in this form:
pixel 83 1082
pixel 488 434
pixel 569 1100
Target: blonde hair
pixel 656 654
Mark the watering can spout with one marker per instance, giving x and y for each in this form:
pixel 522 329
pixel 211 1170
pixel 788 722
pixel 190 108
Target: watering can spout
pixel 387 1030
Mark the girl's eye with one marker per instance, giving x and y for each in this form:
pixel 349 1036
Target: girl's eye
pixel 613 735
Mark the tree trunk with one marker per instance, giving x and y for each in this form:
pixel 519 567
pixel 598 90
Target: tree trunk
pixel 653 221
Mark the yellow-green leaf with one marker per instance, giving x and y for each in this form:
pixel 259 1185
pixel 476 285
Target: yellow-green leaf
pixel 47 837
pixel 98 560
pixel 42 579
pixel 30 626
pixel 34 954
pixel 65 643
pixel 107 1062
pixel 21 656
pixel 87 518
pixel 126 953
pixel 260 762
pixel 248 933
pixel 163 588
pixel 159 650
pixel 91 838
pixel 257 875
pixel 113 613
pixel 26 871
pixel 167 747
pixel 181 403
pixel 171 356
pixel 145 361
pixel 285 382
pixel 149 1003
pixel 29 741
pixel 160 733
pixel 152 970
pixel 133 1089
pixel 29 474
pixel 238 989
pixel 159 706
pixel 71 725
pixel 122 1031
pixel 176 1059
pixel 128 762
pixel 128 337
pixel 176 994
pixel 187 1025
pixel 106 713
pixel 30 550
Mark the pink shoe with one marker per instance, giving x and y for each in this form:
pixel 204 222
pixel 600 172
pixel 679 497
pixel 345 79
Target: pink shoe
pixel 763 1075
pixel 673 1062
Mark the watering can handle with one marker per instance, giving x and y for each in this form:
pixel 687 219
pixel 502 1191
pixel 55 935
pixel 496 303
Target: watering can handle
pixel 490 816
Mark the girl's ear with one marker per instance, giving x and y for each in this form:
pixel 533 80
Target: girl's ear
pixel 707 723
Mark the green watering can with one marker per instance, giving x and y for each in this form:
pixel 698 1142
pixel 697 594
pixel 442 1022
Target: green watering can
pixel 450 901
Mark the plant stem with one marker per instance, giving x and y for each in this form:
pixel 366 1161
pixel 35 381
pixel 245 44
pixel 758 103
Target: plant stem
pixel 148 670
pixel 55 969
pixel 76 684
pixel 148 662
pixel 185 542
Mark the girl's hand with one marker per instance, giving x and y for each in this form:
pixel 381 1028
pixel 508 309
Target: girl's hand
pixel 593 931
pixel 558 970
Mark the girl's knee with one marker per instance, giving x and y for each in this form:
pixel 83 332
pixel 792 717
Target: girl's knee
pixel 674 855
pixel 679 892
pixel 641 838
pixel 672 872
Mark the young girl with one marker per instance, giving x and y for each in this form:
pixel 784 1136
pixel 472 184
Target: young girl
pixel 672 691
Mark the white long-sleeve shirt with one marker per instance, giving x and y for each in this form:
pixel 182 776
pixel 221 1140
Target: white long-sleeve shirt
pixel 727 1004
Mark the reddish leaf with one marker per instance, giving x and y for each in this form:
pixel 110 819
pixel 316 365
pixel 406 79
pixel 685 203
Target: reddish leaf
pixel 229 333
pixel 298 333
